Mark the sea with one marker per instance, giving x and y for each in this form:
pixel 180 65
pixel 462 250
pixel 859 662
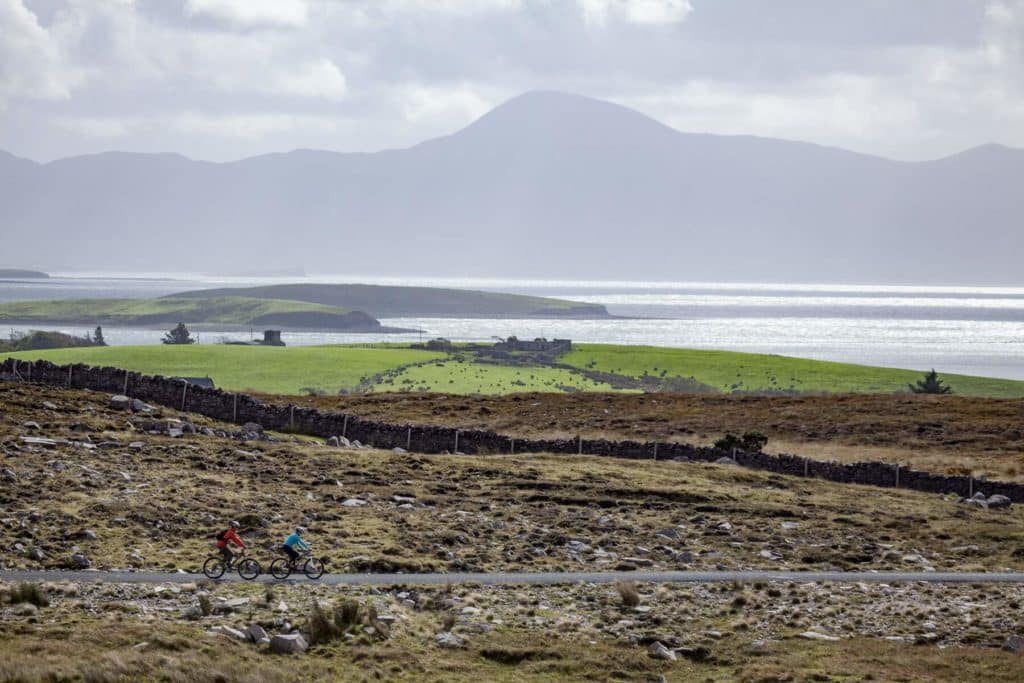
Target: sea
pixel 954 329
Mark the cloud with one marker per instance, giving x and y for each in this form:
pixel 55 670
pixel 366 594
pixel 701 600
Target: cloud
pixel 321 78
pixel 31 60
pixel 643 12
pixel 252 13
pixel 458 104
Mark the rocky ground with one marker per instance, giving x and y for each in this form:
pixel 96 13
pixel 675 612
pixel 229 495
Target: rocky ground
pixel 86 483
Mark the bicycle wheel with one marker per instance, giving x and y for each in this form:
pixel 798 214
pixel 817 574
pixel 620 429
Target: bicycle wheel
pixel 280 568
pixel 313 568
pixel 214 567
pixel 249 569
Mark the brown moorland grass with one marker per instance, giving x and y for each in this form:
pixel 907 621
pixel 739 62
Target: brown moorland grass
pixel 945 434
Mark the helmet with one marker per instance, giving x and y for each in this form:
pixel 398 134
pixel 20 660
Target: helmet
pixel 234 524
pixel 300 530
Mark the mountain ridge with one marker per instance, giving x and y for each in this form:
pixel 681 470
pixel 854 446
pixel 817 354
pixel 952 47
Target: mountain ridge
pixel 545 185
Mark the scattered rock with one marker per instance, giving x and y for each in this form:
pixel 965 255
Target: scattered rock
pixel 36 554
pixel 1014 644
pixel 80 561
pixel 343 442
pixel 725 461
pixel 252 428
pixel 141 407
pixel 26 609
pixel 32 426
pixel 288 643
pixel 230 632
pixel 814 635
pixel 354 503
pixel 448 640
pixel 659 651
pixel 998 501
pixel 120 402
pixel 333 441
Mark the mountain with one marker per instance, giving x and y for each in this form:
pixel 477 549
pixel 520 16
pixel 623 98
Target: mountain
pixel 545 185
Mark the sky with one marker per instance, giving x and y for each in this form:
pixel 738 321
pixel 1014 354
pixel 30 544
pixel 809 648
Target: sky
pixel 227 79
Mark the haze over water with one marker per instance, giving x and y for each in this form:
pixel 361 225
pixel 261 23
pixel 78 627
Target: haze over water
pixel 956 329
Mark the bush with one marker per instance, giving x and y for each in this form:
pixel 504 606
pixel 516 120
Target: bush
pixel 750 442
pixel 628 593
pixel 327 625
pixel 29 592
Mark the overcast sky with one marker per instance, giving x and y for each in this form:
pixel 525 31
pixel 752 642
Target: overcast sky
pixel 225 79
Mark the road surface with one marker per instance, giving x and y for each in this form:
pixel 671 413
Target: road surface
pixel 534 578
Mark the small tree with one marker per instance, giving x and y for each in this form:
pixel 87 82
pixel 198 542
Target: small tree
pixel 931 384
pixel 97 337
pixel 179 335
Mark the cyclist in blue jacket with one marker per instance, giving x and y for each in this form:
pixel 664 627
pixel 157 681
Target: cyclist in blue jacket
pixel 294 543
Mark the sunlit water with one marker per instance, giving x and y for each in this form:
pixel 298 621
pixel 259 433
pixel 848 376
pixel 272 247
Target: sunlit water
pixel 970 330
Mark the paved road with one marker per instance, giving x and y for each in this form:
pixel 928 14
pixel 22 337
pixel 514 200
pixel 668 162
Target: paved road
pixel 536 578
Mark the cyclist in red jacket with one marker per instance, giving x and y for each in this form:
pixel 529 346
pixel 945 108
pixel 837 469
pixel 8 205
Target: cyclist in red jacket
pixel 229 535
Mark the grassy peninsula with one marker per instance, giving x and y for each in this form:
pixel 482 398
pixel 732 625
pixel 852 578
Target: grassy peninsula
pixel 402 302
pixel 224 310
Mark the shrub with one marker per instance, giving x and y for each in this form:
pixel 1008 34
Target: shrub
pixel 750 442
pixel 205 606
pixel 29 592
pixel 326 625
pixel 628 593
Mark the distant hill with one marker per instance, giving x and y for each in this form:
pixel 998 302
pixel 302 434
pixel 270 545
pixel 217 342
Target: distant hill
pixel 403 302
pixel 19 274
pixel 546 185
pixel 220 310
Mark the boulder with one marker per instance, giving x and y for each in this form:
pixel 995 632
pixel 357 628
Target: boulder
pixel 141 407
pixel 252 428
pixel 26 609
pixel 36 554
pixel 230 632
pixel 725 461
pixel 814 635
pixel 1014 644
pixel 333 441
pixel 288 644
pixel 659 651
pixel 257 634
pixel 354 503
pixel 343 442
pixel 31 426
pixel 120 402
pixel 398 450
pixel 448 640
pixel 80 561
pixel 999 501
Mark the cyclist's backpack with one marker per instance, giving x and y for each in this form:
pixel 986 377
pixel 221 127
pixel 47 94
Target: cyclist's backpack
pixel 221 535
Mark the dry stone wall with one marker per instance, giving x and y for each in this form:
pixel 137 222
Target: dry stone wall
pixel 240 408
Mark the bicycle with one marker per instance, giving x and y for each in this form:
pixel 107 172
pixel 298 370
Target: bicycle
pixel 246 567
pixel 312 567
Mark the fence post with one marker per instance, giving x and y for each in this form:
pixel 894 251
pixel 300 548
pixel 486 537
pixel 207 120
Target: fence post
pixel 456 449
pixel 344 426
pixel 655 450
pixel 806 465
pixel 29 371
pixel 291 417
pixel 69 375
pixel 970 486
pixel 897 475
pixel 579 451
pixel 184 395
pixel 124 389
pixel 512 447
pixel 234 408
pixel 408 439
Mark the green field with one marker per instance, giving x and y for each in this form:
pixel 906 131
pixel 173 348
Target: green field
pixel 381 367
pixel 226 310
pixel 732 371
pixel 250 368
pixel 461 377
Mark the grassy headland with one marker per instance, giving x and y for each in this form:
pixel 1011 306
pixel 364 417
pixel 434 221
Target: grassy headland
pixel 224 310
pixel 404 302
